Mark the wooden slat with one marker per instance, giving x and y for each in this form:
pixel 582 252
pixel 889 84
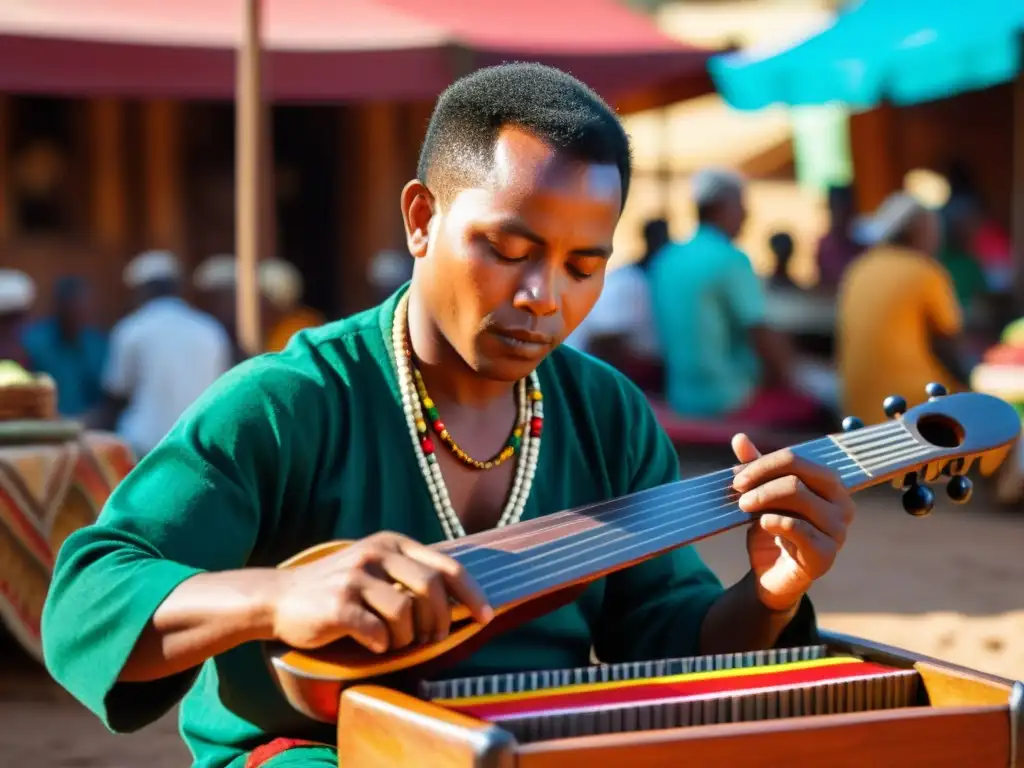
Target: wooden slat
pixel 109 188
pixel 381 728
pixel 954 737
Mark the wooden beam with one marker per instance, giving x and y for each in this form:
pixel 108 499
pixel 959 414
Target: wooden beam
pixel 164 224
pixel 6 215
pixel 249 162
pixel 109 225
pixel 1017 201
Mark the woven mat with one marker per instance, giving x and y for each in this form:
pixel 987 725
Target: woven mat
pixel 47 491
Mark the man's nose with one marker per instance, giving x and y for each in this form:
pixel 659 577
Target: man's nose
pixel 538 293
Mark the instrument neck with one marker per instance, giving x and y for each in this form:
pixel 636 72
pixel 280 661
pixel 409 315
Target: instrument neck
pixel 537 557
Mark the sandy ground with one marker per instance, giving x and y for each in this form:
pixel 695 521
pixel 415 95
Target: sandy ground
pixel 951 586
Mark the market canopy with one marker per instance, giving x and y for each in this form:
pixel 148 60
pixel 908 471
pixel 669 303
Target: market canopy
pixel 335 49
pixel 899 51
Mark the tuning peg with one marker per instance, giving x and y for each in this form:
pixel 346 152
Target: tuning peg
pixel 852 423
pixel 934 390
pixel 960 489
pixel 894 406
pixel 918 500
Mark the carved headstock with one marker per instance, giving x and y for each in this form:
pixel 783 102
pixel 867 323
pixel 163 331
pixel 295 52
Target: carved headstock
pixel 943 437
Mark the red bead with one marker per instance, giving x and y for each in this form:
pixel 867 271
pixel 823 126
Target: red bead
pixel 535 426
pixel 438 426
pixel 427 445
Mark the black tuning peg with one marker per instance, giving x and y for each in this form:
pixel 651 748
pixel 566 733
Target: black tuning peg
pixel 918 500
pixel 894 406
pixel 852 423
pixel 935 390
pixel 960 489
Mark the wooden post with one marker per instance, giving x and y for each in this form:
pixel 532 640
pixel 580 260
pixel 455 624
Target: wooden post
pixel 164 222
pixel 1017 193
pixel 6 215
pixel 109 199
pixel 249 162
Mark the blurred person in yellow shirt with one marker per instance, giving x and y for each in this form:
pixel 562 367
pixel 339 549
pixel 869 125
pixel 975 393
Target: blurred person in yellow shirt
pixel 283 310
pixel 899 321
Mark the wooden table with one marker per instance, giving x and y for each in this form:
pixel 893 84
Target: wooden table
pixel 47 491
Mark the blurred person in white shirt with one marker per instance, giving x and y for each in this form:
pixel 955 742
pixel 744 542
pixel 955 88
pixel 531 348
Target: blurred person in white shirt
pixel 620 328
pixel 162 356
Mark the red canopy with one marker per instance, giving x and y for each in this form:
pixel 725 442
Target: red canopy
pixel 332 49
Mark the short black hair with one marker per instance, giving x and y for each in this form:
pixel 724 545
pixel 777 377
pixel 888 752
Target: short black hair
pixel 547 102
pixel 782 245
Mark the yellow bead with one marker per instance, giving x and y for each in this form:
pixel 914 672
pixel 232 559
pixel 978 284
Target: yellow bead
pixel 535 394
pixel 421 425
pixel 428 403
pixel 518 432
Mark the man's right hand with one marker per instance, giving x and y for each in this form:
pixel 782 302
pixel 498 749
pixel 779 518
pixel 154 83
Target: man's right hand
pixel 385 591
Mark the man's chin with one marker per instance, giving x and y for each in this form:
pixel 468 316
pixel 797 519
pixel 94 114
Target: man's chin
pixel 508 369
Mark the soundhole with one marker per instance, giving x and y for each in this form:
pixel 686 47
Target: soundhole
pixel 940 430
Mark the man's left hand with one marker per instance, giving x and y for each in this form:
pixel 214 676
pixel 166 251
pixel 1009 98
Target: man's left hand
pixel 805 513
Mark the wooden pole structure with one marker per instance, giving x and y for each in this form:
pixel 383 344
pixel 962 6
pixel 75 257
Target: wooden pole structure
pixel 1017 188
pixel 248 179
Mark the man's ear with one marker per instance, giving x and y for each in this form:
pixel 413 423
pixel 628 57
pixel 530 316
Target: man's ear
pixel 418 208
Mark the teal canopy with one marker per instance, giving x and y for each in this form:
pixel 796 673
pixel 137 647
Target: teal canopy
pixel 900 51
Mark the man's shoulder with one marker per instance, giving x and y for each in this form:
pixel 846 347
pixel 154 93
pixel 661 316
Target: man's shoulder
pixel 604 388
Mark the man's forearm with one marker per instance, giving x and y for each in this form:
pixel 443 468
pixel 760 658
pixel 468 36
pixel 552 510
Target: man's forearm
pixel 739 621
pixel 205 616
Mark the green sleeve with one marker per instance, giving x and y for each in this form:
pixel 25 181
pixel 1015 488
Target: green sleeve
pixel 655 609
pixel 198 502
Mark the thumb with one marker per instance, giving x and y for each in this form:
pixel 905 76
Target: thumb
pixel 744 448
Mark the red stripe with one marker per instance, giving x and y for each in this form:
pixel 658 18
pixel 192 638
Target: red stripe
pixel 29 535
pixel 262 754
pixel 655 691
pixel 17 604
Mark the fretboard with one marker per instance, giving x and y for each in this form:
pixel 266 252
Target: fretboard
pixel 539 556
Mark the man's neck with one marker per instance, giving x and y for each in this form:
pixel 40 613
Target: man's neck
pixel 447 376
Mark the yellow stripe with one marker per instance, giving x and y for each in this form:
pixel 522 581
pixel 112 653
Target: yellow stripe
pixel 497 698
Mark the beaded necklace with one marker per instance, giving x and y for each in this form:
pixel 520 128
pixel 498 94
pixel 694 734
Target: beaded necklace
pixel 531 412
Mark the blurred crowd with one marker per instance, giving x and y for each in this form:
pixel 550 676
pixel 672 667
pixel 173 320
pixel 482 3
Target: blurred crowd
pixel 139 376
pixel 901 295
pixel 904 298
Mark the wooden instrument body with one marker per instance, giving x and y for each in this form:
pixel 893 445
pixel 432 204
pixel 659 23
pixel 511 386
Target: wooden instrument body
pixel 969 719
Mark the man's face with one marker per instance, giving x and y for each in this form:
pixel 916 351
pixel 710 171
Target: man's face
pixel 734 214
pixel 510 268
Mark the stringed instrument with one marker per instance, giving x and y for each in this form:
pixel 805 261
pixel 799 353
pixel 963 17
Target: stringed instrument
pixel 533 566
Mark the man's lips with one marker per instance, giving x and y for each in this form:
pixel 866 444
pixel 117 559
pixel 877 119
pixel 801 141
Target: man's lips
pixel 524 336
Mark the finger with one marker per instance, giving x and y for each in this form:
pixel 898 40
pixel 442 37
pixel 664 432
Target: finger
pixel 790 494
pixel 393 606
pixel 819 479
pixel 431 607
pixel 364 626
pixel 458 583
pixel 744 448
pixel 812 550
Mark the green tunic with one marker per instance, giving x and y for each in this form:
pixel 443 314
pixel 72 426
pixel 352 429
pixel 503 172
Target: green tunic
pixel 291 449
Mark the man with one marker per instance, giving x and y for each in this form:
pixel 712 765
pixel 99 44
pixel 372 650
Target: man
pixel 285 314
pixel 17 294
pixel 837 249
pixel 620 329
pixel 522 178
pixel 70 350
pixel 782 247
pixel 162 356
pixel 899 321
pixel 961 220
pixel 216 284
pixel 722 360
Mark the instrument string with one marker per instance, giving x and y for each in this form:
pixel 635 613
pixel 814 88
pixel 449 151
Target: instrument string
pixel 820 451
pixel 618 543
